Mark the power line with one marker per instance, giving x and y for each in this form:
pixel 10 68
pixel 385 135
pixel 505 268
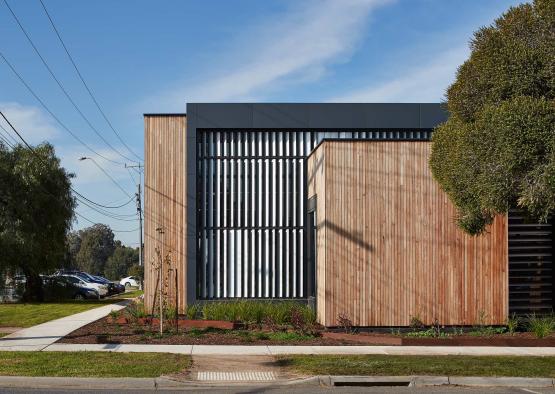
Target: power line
pixel 108 175
pixel 8 136
pixel 52 114
pixel 60 85
pixel 84 83
pixel 115 231
pixel 83 199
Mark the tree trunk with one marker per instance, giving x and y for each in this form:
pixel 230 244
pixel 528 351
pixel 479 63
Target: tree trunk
pixel 33 288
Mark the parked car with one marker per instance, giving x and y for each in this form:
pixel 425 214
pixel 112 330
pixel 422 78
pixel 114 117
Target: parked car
pixel 113 287
pixel 78 280
pixel 130 281
pixel 61 287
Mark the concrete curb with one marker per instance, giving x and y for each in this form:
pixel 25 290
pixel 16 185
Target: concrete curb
pixel 322 380
pixel 254 350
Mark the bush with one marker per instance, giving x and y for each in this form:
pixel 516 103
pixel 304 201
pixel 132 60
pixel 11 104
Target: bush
pixel 258 312
pixel 136 310
pixel 541 326
pixel 513 323
pixel 192 311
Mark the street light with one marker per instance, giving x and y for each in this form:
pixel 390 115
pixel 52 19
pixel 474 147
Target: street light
pixel 105 173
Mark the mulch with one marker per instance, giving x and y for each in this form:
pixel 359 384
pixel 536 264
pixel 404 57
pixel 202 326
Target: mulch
pixel 101 331
pixel 106 331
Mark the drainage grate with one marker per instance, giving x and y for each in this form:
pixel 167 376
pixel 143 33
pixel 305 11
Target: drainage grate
pixel 364 383
pixel 248 376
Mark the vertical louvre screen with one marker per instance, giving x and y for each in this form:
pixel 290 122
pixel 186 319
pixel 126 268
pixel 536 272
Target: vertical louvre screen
pixel 251 209
pixel 530 265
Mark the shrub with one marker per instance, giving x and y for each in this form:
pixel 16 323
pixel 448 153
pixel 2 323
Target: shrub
pixel 513 323
pixel 136 310
pixel 170 313
pixel 257 312
pixel 345 322
pixel 541 326
pixel 192 311
pixel 416 322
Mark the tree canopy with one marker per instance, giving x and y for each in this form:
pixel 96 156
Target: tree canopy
pixel 497 149
pixel 121 261
pixel 36 212
pixel 96 246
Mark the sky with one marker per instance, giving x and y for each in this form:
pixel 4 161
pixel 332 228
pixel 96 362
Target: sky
pixel 141 57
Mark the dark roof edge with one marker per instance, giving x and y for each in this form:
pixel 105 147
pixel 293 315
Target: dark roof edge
pixel 166 114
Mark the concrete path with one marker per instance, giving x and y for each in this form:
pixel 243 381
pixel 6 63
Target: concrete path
pixel 40 336
pixel 213 350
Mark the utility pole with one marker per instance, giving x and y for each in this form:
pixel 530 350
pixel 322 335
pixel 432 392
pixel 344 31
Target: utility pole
pixel 139 211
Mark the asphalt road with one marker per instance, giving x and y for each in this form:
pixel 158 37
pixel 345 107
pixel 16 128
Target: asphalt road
pixel 309 390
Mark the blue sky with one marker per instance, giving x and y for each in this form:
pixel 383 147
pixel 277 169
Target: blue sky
pixel 154 56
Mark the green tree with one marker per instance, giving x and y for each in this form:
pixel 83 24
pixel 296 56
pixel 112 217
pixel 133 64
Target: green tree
pixel 97 245
pixel 120 261
pixel 36 213
pixel 136 270
pixel 497 149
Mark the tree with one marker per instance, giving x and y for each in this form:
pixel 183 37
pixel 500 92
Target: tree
pixel 36 213
pixel 97 245
pixel 120 261
pixel 136 270
pixel 497 149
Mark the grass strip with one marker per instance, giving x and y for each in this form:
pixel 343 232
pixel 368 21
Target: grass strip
pixel 91 364
pixel 381 365
pixel 131 294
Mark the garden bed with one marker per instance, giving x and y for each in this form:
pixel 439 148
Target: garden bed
pixel 246 322
pixel 103 331
pixel 209 332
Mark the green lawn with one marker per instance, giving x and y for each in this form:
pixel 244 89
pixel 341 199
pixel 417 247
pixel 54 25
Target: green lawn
pixel 422 365
pixel 26 315
pixel 91 364
pixel 131 294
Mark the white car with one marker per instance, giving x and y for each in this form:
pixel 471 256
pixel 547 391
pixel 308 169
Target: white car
pixel 101 289
pixel 130 281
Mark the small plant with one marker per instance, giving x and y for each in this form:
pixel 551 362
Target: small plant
pixel 136 310
pixel 170 313
pixel 513 323
pixel 541 326
pixel 261 336
pixel 436 327
pixel 114 315
pixel 457 331
pixel 416 323
pixel 192 311
pixel 345 322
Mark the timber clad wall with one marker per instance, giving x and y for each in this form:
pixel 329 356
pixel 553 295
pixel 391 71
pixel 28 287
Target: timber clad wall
pixel 387 244
pixel 165 206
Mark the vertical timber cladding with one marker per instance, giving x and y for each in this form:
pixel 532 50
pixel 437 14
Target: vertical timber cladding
pixel 251 197
pixel 388 247
pixel 165 206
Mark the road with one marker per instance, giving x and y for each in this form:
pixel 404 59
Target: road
pixel 308 390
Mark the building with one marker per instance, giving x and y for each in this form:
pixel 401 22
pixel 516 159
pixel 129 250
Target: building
pixel 237 206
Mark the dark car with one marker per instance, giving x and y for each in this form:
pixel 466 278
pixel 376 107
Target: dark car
pixel 113 288
pixel 60 288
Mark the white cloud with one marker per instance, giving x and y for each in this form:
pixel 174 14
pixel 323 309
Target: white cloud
pixel 422 83
pixel 33 123
pixel 299 46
